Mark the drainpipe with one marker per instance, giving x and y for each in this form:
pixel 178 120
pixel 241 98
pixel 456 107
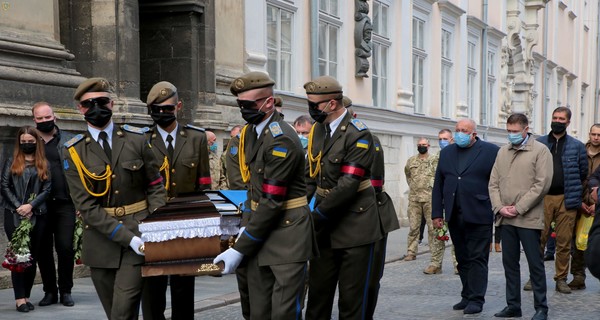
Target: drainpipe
pixel 484 63
pixel 545 81
pixel 596 91
pixel 314 39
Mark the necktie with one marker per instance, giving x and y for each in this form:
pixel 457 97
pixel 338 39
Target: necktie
pixel 170 148
pixel 327 134
pixel 104 136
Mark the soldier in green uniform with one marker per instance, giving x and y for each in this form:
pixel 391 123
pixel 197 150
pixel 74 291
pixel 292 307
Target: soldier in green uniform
pixel 114 181
pixel 183 152
pixel 278 240
pixel 340 155
pixel 225 158
pixel 420 173
pixel 232 163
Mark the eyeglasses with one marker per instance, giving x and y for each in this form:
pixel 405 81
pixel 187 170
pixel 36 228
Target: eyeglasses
pixel 90 103
pixel 315 105
pixel 249 104
pixel 158 108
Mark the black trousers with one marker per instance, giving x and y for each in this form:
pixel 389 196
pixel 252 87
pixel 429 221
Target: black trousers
pixel 472 247
pixel 23 281
pixel 376 274
pixel 59 235
pixel 348 269
pixel 512 239
pixel 182 297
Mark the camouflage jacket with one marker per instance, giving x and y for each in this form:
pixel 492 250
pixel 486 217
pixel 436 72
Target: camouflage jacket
pixel 420 174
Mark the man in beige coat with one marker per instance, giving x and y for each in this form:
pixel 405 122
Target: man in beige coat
pixel 520 179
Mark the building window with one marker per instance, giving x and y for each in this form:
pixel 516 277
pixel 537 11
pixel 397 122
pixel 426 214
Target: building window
pixel 279 46
pixel 329 30
pixel 471 76
pixel 487 110
pixel 381 48
pixel 380 19
pixel 419 56
pixel 330 7
pixel 559 91
pixel 446 72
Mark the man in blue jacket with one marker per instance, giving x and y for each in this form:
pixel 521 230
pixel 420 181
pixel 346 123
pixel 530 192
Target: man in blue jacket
pixel 461 190
pixel 570 166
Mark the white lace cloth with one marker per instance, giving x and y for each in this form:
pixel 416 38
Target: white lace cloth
pixel 192 228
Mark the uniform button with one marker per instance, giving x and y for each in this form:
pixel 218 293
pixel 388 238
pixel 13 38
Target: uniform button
pixel 193 164
pixel 287 222
pixel 322 163
pixel 87 227
pixel 379 202
pixel 120 221
pixel 116 191
pixel 114 176
pixel 135 167
pixel 458 178
pixel 173 184
pixel 336 160
pixel 360 209
pixel 172 170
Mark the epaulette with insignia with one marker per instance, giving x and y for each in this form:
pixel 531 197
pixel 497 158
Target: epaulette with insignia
pixel 275 129
pixel 133 129
pixel 359 125
pixel 189 126
pixel 74 140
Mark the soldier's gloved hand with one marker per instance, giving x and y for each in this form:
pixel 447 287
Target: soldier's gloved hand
pixel 231 258
pixel 137 245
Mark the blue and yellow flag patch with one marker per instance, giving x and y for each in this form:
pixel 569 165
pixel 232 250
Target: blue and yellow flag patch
pixel 362 144
pixel 280 152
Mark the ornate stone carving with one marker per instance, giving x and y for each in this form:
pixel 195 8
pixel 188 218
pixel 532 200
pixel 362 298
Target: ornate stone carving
pixel 362 37
pixel 522 37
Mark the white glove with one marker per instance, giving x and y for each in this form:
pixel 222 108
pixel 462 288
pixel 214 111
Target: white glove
pixel 241 231
pixel 137 245
pixel 231 258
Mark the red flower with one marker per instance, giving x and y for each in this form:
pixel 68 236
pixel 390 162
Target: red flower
pixel 553 234
pixel 78 261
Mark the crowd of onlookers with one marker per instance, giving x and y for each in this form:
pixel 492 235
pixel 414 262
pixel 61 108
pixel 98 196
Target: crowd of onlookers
pixel 534 191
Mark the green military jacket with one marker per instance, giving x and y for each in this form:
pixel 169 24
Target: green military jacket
pixel 189 169
pixel 135 177
pixel 420 174
pixel 232 163
pixel 276 163
pixel 345 217
pixel 387 211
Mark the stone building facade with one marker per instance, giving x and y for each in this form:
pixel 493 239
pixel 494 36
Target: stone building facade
pixel 412 67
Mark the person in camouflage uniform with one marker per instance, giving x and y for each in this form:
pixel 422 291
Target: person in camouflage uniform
pixel 213 160
pixel 420 172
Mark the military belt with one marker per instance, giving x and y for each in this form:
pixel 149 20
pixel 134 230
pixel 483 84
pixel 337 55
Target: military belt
pixel 127 209
pixel 287 205
pixel 365 184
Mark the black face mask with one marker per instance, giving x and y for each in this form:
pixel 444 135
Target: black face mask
pixel 422 149
pixel 98 116
pixel 318 115
pixel 46 126
pixel 27 148
pixel 558 127
pixel 163 119
pixel 252 116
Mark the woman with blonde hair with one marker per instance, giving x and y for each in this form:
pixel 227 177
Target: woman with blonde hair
pixel 25 185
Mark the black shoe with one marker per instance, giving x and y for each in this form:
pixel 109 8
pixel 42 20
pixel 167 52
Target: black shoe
pixel 23 308
pixel 507 312
pixel 461 305
pixel 540 315
pixel 548 257
pixel 49 298
pixel 30 306
pixel 472 308
pixel 67 300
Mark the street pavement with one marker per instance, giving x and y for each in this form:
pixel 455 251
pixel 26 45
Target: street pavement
pixel 406 293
